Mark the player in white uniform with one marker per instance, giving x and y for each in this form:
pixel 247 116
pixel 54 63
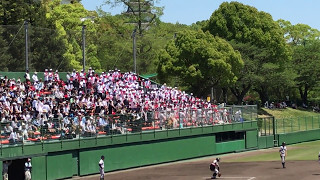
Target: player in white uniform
pixel 214 166
pixel 101 167
pixel 27 170
pixel 283 154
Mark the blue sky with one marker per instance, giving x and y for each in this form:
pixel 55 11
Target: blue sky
pixel 191 11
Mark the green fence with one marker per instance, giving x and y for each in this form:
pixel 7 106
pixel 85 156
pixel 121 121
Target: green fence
pixel 266 126
pixel 266 142
pixel 17 75
pixel 270 126
pixel 266 131
pixel 291 130
pixel 289 125
pixel 298 137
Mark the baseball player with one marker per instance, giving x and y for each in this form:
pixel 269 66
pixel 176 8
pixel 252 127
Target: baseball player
pixel 101 168
pixel 214 166
pixel 283 154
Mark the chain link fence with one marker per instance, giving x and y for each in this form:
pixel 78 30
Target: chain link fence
pixel 247 112
pixel 266 126
pixel 270 126
pixel 288 125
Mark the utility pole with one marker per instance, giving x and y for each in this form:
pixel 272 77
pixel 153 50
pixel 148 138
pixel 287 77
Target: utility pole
pixel 140 13
pixel 139 21
pixel 134 49
pixel 27 52
pixel 84 47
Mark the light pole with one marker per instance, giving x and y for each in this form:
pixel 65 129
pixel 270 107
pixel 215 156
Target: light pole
pixel 134 50
pixel 27 52
pixel 84 47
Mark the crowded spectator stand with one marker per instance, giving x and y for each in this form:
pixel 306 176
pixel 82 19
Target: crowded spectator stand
pixel 88 104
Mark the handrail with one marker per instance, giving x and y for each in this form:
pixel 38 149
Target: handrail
pixel 79 126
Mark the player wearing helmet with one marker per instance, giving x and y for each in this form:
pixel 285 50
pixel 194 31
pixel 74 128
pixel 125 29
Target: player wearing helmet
pixel 283 154
pixel 214 166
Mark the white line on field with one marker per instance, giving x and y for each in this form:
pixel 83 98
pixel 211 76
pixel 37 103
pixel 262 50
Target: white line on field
pixel 247 178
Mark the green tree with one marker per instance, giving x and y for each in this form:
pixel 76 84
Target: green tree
pixel 114 45
pixel 5 57
pixel 47 50
pixel 200 60
pixel 245 24
pixel 14 47
pixel 13 13
pixel 17 11
pixel 251 56
pixel 306 60
pixel 304 42
pixel 68 19
pixel 142 16
pixel 153 40
pixel 279 79
pixel 299 33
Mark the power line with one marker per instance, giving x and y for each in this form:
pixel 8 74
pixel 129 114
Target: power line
pixel 12 40
pixel 120 55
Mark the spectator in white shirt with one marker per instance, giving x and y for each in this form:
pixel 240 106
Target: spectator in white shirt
pixel 27 76
pixel 13 137
pixel 35 77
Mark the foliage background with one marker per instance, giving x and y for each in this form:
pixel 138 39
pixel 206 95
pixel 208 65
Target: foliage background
pixel 256 58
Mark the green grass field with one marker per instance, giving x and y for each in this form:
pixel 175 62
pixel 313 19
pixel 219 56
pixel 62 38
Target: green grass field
pixel 288 113
pixel 296 152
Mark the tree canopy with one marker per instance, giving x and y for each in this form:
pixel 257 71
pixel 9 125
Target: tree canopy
pixel 239 49
pixel 200 60
pixel 304 42
pixel 266 47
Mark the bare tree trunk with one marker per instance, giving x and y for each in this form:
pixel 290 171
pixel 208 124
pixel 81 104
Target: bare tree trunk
pixel 304 93
pixel 239 94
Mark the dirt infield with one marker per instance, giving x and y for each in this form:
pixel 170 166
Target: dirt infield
pixel 199 170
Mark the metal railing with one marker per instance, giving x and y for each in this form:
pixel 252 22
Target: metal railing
pixel 79 126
